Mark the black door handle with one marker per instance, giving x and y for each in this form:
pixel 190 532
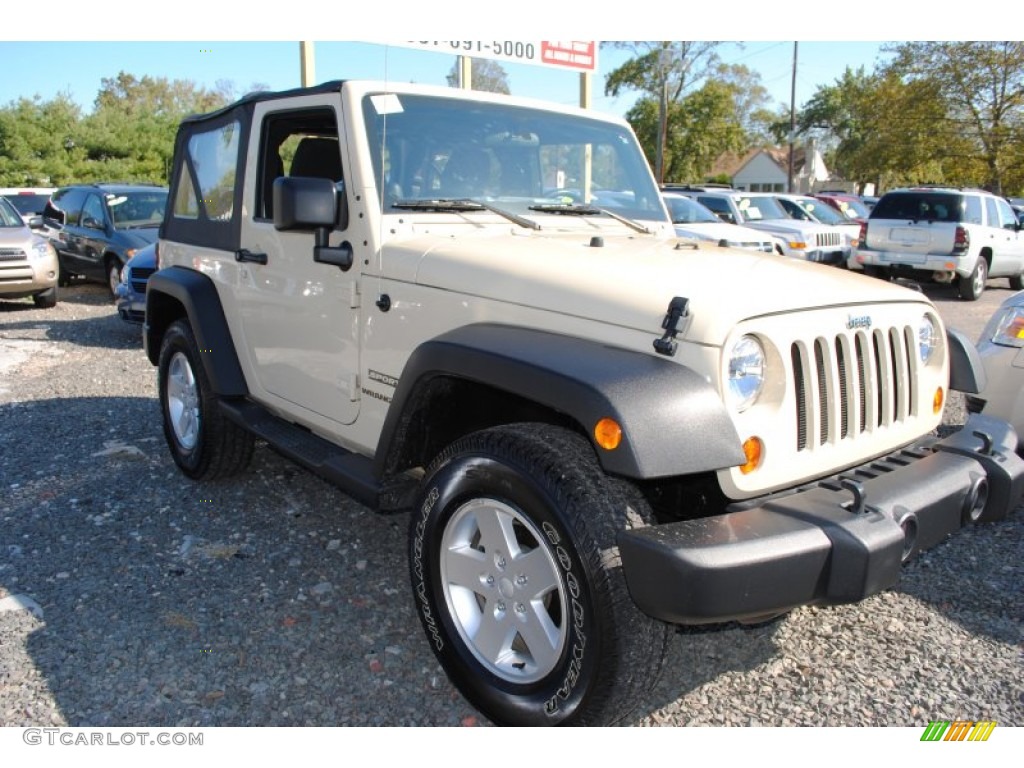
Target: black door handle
pixel 243 254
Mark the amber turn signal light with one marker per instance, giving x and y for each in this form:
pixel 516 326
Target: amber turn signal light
pixel 938 400
pixel 753 449
pixel 608 434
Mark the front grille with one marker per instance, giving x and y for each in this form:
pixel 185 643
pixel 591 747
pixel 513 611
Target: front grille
pixel 139 278
pixel 12 254
pixel 829 239
pixel 856 382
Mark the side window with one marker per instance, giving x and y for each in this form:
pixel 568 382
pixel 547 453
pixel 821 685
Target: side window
pixel 1006 218
pixel 991 212
pixel 66 207
pixel 300 143
pixel 212 160
pixel 92 212
pixel 972 210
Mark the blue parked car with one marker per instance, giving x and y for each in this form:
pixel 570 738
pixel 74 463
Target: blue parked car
pixel 131 291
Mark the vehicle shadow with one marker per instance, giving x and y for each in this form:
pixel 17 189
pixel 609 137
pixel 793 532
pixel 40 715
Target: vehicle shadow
pixel 109 331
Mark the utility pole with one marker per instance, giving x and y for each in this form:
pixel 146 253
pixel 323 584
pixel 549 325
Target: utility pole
pixel 792 121
pixel 307 66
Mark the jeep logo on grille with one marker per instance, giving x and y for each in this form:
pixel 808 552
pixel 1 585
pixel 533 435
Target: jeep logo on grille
pixel 864 321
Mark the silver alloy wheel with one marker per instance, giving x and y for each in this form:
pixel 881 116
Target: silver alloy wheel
pixel 183 401
pixel 114 276
pixel 980 277
pixel 504 589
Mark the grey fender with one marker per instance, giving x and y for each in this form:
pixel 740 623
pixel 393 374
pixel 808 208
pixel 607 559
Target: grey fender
pixel 966 371
pixel 672 419
pixel 173 288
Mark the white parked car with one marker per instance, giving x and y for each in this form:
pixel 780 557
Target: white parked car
pixel 691 219
pixel 806 208
pixel 28 201
pixel 805 240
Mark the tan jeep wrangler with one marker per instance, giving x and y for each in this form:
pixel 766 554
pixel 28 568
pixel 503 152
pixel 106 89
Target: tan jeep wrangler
pixel 475 307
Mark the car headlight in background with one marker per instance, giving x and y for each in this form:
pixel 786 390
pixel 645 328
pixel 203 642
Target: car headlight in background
pixel 927 338
pixel 1006 327
pixel 745 373
pixel 41 249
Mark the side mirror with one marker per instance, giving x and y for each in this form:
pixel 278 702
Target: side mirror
pixel 306 204
pixel 91 223
pixel 36 222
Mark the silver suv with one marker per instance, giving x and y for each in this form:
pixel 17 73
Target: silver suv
pixel 943 234
pixel 28 263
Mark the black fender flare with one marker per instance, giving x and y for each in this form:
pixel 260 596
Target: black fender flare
pixel 673 421
pixel 197 294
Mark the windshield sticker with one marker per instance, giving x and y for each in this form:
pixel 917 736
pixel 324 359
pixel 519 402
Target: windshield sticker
pixel 386 103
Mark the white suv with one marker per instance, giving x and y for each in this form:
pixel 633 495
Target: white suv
pixel 943 234
pixel 807 240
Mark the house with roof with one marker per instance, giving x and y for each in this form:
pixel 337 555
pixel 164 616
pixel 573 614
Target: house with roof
pixel 766 169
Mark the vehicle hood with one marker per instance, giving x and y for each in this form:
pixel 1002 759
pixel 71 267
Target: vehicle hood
pixel 137 238
pixel 720 230
pixel 16 237
pixel 629 281
pixel 786 225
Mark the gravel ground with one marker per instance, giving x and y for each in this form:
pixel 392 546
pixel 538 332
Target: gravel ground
pixel 132 596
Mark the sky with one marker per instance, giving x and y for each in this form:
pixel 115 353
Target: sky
pixel 256 42
pixel 78 67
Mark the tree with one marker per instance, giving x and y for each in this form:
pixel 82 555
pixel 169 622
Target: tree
pixel 751 102
pixel 662 71
pixel 35 139
pixel 702 126
pixel 486 75
pixel 982 84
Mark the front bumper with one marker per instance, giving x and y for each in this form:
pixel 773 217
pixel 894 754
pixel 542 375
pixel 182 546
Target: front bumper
pixel 839 541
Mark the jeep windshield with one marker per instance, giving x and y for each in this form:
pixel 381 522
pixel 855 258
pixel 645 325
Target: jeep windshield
pixel 520 160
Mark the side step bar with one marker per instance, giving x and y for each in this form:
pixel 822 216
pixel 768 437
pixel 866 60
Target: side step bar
pixel 349 471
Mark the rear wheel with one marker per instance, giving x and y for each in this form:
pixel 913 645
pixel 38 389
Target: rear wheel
pixel 517 581
pixel 203 443
pixel 973 285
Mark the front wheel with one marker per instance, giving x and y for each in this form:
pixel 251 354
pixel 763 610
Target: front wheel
pixel 517 581
pixel 46 299
pixel 1017 281
pixel 203 444
pixel 114 268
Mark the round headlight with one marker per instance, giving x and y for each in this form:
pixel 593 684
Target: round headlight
pixel 927 338
pixel 746 373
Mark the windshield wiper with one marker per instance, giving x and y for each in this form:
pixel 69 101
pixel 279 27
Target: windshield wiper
pixel 463 204
pixel 589 210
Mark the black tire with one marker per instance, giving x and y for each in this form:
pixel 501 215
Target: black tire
pixel 46 299
pixel 114 267
pixel 538 490
pixel 1017 282
pixel 204 444
pixel 973 285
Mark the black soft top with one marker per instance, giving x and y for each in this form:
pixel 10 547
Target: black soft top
pixel 331 86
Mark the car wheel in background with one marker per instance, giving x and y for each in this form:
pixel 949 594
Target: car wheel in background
pixel 973 285
pixel 46 299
